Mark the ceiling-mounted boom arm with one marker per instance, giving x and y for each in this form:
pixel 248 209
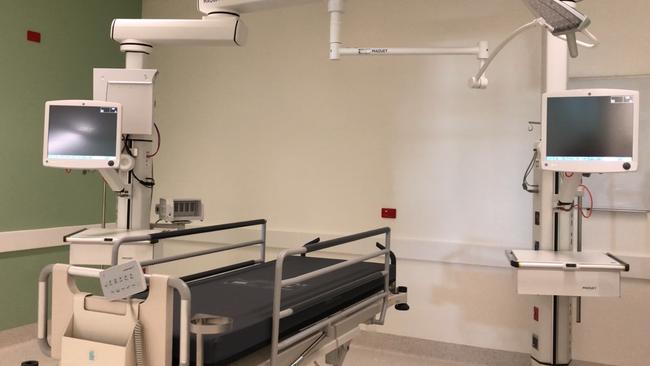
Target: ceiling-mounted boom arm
pixel 221 26
pixel 244 6
pixel 557 16
pixel 217 30
pixel 336 10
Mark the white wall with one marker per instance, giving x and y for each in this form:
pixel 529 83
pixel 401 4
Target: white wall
pixel 275 130
pixel 622 27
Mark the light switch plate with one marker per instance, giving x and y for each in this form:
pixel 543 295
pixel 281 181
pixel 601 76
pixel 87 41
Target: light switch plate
pixel 122 281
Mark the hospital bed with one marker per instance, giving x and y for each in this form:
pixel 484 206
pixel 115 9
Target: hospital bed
pixel 288 311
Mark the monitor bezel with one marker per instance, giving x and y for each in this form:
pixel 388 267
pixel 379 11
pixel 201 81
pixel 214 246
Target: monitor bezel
pixel 590 166
pixel 82 163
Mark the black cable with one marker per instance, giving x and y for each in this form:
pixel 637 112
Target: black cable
pixel 125 139
pixel 154 183
pixel 565 206
pixel 158 143
pixel 127 147
pixel 148 182
pixel 531 188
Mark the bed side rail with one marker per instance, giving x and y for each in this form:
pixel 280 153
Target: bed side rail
pixel 155 237
pixel 172 282
pixel 280 283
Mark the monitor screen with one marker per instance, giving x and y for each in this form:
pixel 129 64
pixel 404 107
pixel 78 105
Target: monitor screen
pixel 590 128
pixel 82 132
pixel 82 136
pixel 591 131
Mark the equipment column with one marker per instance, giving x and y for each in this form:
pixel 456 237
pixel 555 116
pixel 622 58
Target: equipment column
pixel 551 315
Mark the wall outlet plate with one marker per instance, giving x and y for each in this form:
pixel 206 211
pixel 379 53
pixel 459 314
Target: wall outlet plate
pixel 122 281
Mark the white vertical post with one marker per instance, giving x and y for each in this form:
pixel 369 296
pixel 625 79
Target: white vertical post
pixel 335 8
pixel 42 310
pixel 552 329
pixel 135 60
pixel 134 211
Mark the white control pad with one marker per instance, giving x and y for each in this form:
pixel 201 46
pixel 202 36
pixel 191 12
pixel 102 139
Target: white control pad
pixel 122 281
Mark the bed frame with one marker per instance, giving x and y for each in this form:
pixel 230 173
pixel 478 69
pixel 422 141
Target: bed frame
pixel 83 326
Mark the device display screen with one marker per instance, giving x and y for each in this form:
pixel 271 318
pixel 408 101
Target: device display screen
pixel 77 132
pixel 590 128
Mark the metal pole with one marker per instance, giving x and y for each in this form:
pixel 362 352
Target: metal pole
pixel 277 297
pixel 579 234
pixel 382 316
pixel 579 245
pixel 263 248
pixel 199 349
pixel 104 206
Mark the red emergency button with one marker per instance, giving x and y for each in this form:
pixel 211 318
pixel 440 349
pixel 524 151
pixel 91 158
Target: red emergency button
pixel 33 36
pixel 389 213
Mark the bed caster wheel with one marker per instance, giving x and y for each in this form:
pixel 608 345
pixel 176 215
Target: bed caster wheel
pixel 29 363
pixel 403 306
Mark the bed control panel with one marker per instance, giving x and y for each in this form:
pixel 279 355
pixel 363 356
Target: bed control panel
pixel 122 281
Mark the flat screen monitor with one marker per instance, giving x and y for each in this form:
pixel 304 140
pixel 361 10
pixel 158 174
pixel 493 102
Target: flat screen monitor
pixel 590 131
pixel 82 134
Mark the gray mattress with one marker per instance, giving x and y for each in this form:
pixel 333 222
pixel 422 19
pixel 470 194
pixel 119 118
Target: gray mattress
pixel 246 296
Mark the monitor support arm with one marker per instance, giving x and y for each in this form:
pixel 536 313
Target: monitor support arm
pixel 113 179
pixel 336 10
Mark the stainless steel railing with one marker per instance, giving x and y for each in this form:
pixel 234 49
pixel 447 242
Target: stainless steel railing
pixel 280 283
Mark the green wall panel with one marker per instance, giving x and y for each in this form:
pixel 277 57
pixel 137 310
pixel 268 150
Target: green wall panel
pixel 24 268
pixel 75 38
pixel 20 272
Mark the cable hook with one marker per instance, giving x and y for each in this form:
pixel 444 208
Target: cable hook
pixel 531 125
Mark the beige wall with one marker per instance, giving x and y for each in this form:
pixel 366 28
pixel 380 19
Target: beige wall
pixel 275 130
pixel 622 27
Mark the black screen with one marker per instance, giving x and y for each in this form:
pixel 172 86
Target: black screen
pixel 590 127
pixel 82 132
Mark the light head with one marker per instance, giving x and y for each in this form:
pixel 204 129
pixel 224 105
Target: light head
pixel 561 19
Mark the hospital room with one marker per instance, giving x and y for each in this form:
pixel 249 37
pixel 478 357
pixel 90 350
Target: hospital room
pixel 325 183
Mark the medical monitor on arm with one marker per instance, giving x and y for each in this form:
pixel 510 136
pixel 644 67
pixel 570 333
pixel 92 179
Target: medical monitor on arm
pixel 590 131
pixel 82 134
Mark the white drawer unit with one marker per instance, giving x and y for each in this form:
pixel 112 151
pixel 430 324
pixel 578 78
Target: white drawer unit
pixel 586 274
pixel 94 246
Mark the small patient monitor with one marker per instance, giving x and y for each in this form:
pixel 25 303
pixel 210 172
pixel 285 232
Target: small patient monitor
pixel 590 131
pixel 82 134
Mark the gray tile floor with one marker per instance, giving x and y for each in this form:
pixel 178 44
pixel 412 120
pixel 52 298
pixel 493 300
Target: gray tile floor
pixel 369 356
pixel 14 355
pixel 358 356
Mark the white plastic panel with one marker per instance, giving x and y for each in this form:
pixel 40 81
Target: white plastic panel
pixel 563 259
pixel 100 254
pixel 587 274
pixel 568 283
pixel 132 88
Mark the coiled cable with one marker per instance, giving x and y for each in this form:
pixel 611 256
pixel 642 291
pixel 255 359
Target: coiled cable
pixel 139 343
